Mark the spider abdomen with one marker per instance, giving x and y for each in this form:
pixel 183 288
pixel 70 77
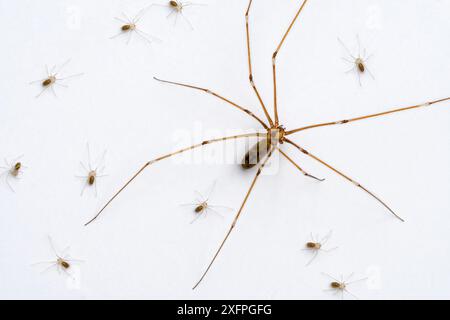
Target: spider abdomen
pixel 255 154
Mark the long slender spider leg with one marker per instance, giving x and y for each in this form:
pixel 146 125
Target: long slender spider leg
pixel 370 73
pixel 84 167
pixel 349 61
pixel 140 15
pixel 53 247
pixel 62 66
pixel 354 281
pixel 95 188
pixel 186 20
pixel 84 188
pixel 346 177
pixel 297 166
pixel 127 17
pixel 130 35
pixel 42 91
pixel 346 49
pixel 206 142
pixel 72 76
pixel 61 85
pixel 196 218
pixel 101 160
pixel 89 156
pixel 200 196
pixel 258 173
pixel 312 259
pixel 121 33
pixel 346 290
pixel 49 267
pixel 9 184
pixel 211 191
pixel 326 237
pixel 121 20
pixel 176 19
pixel 328 250
pixel 329 276
pixel 170 14
pixel 426 104
pixel 216 95
pixel 52 88
pixel 250 69
pixel 152 38
pixel 274 61
pixel 350 70
pixel 215 211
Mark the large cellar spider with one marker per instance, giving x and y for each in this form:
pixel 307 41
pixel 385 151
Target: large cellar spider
pixel 272 139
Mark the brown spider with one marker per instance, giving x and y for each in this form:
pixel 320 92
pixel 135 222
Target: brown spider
pixel 274 137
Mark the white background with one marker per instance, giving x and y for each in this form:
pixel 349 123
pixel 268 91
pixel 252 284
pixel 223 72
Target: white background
pixel 144 245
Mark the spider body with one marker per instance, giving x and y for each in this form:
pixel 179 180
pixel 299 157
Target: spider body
pixel 128 27
pixel 201 207
pixel 91 177
pixel 16 169
pixel 275 137
pixel 47 82
pixel 176 5
pixel 360 64
pixel 338 285
pixel 63 263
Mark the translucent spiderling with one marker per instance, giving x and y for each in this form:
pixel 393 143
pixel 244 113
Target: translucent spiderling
pixel 359 61
pixel 202 205
pixel 341 286
pixel 315 246
pixel 129 26
pixel 92 174
pixel 52 79
pixel 63 263
pixel 13 170
pixel 177 8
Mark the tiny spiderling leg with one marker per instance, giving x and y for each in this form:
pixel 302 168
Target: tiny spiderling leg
pixel 217 96
pixel 250 69
pixel 426 104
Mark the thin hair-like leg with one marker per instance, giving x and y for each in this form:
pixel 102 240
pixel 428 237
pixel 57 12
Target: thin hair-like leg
pixel 297 166
pixel 258 173
pixel 168 156
pixel 42 91
pixel 274 62
pixel 348 51
pixel 426 104
pixel 250 69
pixel 53 246
pixel 216 95
pixel 346 177
pixel 211 191
pixel 7 177
pixel 315 254
pixel 186 20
